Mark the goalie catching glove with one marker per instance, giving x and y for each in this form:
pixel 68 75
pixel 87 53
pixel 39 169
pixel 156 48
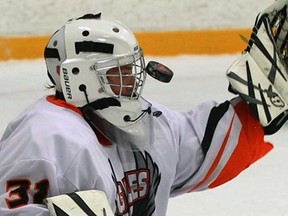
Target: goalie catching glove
pixel 260 76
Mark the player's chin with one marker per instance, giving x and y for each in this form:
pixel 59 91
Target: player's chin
pixel 127 92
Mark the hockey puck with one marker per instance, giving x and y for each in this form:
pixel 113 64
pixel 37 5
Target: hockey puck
pixel 159 71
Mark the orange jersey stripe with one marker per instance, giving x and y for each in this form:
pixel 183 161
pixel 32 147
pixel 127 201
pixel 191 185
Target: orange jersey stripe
pixel 52 99
pixel 62 103
pixel 251 146
pixel 217 159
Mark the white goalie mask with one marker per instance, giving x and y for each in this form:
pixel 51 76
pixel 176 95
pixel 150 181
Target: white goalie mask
pixel 85 57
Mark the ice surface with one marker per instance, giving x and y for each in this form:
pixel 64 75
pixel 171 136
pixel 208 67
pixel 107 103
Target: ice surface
pixel 259 191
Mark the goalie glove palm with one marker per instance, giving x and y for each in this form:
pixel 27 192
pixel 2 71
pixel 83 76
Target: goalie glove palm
pixel 260 76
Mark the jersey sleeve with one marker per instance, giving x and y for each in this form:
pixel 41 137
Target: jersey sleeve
pixel 217 143
pixel 20 186
pixel 35 157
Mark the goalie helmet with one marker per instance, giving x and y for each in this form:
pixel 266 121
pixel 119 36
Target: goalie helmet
pixel 80 53
pixel 83 57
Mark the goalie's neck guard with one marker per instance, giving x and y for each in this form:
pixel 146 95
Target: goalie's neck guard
pixel 127 124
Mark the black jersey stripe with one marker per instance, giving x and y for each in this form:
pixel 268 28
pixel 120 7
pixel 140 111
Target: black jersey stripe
pixel 214 117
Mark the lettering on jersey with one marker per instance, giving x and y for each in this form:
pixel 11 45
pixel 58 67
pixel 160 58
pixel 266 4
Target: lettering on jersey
pixel 136 191
pixel 23 191
pixel 67 83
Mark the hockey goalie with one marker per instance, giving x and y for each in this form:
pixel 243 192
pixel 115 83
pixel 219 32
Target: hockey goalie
pixel 97 147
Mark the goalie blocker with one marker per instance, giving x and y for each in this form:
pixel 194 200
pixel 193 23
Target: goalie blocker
pixel 90 202
pixel 259 75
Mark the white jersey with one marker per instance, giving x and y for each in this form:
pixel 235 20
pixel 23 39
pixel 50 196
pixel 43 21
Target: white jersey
pixel 50 149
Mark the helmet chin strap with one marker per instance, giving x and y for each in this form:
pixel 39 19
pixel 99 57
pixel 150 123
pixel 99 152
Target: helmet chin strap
pixel 123 127
pixel 127 118
pixel 100 103
pixel 104 103
pixel 90 117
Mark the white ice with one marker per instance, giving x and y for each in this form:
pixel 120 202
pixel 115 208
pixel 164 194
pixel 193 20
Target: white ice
pixel 261 190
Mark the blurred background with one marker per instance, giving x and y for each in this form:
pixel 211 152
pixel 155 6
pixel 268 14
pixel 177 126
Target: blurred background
pixel 163 27
pixel 33 17
pixel 198 40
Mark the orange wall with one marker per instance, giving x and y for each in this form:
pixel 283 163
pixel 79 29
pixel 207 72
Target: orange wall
pixel 153 43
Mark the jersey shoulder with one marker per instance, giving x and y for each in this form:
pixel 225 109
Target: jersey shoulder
pixel 46 131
